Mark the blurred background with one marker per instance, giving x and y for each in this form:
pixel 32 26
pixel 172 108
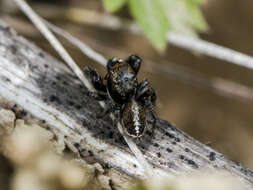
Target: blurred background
pixel 209 99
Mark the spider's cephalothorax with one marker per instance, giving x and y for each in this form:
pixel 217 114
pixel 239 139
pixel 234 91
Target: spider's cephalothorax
pixel 121 80
pixel 124 95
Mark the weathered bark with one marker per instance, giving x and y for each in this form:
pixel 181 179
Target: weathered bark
pixel 47 90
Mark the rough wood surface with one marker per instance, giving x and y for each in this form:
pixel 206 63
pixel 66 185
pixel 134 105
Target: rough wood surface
pixel 47 89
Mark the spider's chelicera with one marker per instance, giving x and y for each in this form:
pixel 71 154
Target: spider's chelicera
pixel 124 95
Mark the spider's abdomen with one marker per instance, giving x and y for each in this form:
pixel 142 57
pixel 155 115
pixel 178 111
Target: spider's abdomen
pixel 134 118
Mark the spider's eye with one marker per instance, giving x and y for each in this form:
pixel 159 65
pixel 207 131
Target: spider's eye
pixel 111 63
pixel 125 77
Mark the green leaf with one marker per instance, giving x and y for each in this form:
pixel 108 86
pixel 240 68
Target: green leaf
pixel 113 5
pixel 197 20
pixel 157 17
pixel 152 19
pixel 184 16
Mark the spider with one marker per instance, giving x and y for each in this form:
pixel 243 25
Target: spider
pixel 129 100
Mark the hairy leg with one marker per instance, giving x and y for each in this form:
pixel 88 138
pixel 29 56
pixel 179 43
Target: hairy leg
pixel 154 117
pixel 135 62
pixel 109 107
pixel 142 89
pixel 96 79
pixel 99 96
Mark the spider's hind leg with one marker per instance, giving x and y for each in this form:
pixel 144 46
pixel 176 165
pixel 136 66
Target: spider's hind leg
pixel 109 107
pixel 153 117
pixel 142 89
pixel 147 96
pixel 99 96
pixel 145 93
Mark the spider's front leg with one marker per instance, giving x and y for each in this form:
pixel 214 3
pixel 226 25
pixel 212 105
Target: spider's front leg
pixel 96 79
pixel 98 84
pixel 135 62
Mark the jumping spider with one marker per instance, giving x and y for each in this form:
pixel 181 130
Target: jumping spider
pixel 128 99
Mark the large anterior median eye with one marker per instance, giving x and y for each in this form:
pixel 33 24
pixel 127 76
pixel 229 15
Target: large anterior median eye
pixel 125 77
